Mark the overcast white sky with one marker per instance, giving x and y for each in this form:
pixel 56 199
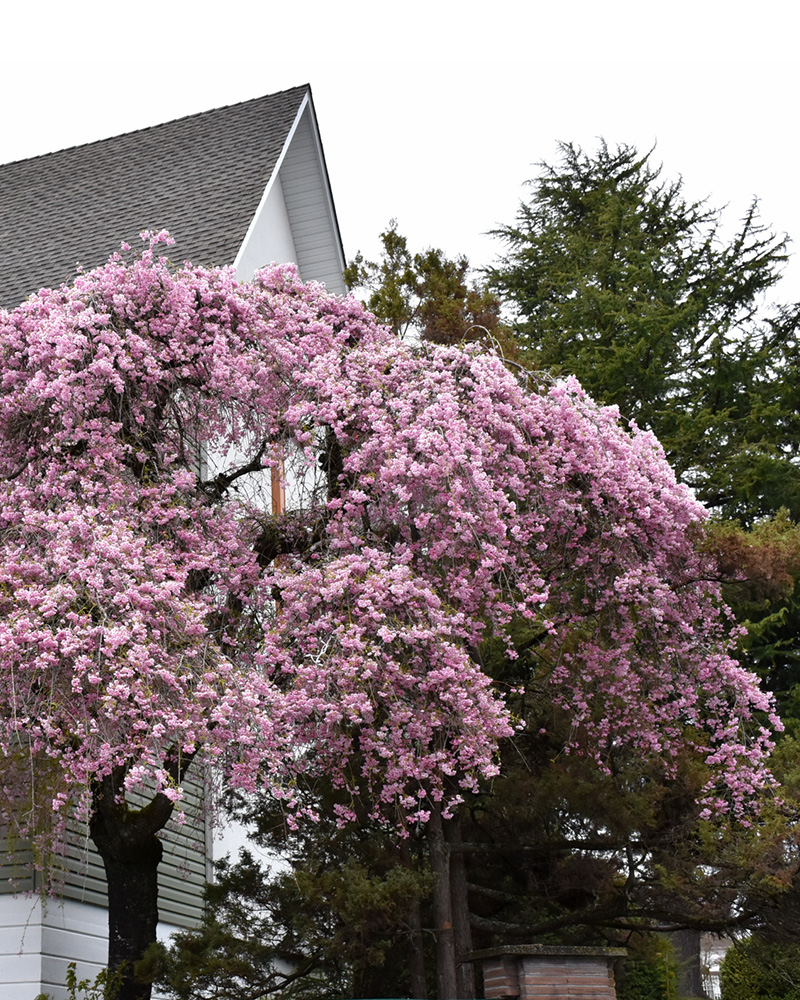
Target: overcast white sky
pixel 436 112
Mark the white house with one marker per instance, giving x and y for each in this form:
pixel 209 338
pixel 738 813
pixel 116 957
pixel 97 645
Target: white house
pixel 244 185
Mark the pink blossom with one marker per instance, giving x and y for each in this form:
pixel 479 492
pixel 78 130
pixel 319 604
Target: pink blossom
pixel 153 604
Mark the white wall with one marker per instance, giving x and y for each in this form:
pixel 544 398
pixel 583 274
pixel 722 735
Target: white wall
pixel 37 943
pixel 20 946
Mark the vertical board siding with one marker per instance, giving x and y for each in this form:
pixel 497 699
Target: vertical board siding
pixel 307 204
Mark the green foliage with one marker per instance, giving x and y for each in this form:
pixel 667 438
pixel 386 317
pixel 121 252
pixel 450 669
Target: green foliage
pixel 614 277
pixel 104 986
pixel 759 970
pixel 426 294
pixel 334 925
pixel 649 972
pixel 564 852
pixel 761 568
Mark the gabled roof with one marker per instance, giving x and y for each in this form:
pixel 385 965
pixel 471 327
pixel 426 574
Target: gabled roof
pixel 205 178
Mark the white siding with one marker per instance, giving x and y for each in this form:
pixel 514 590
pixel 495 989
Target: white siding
pixel 72 932
pixel 20 947
pixel 37 944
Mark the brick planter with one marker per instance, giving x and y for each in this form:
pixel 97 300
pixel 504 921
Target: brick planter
pixel 548 972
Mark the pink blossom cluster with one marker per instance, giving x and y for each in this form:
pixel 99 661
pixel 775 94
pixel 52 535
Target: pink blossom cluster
pixel 149 609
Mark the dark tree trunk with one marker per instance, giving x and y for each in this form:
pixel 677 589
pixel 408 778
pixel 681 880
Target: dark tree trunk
pixel 132 912
pixel 446 983
pixel 416 955
pixel 687 955
pixel 459 894
pixel 126 841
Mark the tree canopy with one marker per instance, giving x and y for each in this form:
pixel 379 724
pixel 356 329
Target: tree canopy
pixel 426 294
pixel 613 276
pixel 156 609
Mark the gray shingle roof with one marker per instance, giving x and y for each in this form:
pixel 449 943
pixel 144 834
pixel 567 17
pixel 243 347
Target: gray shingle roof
pixel 201 177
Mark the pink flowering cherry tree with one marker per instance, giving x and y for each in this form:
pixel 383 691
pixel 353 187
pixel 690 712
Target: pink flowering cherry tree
pixel 157 615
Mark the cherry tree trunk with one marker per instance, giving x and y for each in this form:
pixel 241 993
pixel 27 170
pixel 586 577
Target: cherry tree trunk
pixel 126 841
pixel 132 914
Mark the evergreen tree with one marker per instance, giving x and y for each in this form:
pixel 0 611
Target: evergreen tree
pixel 613 276
pixel 427 295
pixel 757 969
